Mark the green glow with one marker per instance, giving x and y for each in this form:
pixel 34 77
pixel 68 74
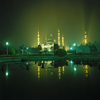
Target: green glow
pixel 74 69
pixel 71 62
pixel 71 48
pixel 74 44
pixel 7 43
pixel 6 73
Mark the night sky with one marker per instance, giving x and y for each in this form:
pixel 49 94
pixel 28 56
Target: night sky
pixel 21 19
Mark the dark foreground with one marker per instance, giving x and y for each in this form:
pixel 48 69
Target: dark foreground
pixel 35 81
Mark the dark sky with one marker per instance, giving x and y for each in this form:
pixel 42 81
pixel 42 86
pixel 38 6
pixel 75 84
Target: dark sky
pixel 21 19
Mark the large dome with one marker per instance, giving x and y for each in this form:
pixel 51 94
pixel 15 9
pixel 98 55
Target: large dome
pixel 50 40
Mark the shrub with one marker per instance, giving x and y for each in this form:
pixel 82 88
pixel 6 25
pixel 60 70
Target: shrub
pixel 11 51
pixel 60 52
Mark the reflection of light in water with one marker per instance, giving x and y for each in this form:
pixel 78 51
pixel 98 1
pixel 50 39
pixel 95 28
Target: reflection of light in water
pixel 6 73
pixel 59 72
pixel 38 76
pixel 86 75
pixel 74 69
pixel 86 71
pixel 71 61
pixel 63 69
pixel 86 67
pixel 26 63
pixel 38 68
pixel 59 77
pixel 7 70
pixel 48 62
pixel 38 71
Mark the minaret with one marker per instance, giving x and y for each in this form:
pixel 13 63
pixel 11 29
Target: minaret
pixel 58 37
pixel 62 40
pixel 45 39
pixel 38 38
pixel 85 38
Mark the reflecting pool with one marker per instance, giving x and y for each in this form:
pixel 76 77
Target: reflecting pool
pixel 49 80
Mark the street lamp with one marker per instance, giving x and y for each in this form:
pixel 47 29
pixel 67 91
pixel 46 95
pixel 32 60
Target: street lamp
pixel 7 47
pixel 74 44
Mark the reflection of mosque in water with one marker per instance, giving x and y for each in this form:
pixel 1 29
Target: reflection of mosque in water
pixel 86 70
pixel 49 68
pixel 48 65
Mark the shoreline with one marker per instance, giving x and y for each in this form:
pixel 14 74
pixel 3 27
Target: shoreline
pixel 30 58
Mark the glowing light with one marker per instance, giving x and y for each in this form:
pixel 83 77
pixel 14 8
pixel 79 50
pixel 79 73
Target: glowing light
pixel 62 40
pixel 26 63
pixel 63 69
pixel 85 41
pixel 85 36
pixel 86 75
pixel 59 70
pixel 38 76
pixel 71 48
pixel 59 77
pixel 38 68
pixel 58 30
pixel 6 73
pixel 74 69
pixel 86 71
pixel 58 37
pixel 59 74
pixel 71 61
pixel 38 73
pixel 86 67
pixel 48 62
pixel 74 44
pixel 7 43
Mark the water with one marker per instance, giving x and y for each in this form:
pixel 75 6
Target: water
pixel 29 81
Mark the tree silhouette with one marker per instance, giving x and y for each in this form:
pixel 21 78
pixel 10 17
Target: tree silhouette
pixel 55 47
pixel 93 49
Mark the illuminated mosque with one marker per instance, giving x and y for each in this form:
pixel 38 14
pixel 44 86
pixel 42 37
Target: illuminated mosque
pixel 49 42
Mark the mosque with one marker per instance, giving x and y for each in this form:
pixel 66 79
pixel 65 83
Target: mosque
pixel 49 42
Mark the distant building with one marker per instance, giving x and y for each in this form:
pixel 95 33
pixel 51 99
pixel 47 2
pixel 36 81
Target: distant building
pixel 49 42
pixel 85 39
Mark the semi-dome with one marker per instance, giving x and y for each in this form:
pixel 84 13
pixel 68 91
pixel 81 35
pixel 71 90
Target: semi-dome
pixel 50 40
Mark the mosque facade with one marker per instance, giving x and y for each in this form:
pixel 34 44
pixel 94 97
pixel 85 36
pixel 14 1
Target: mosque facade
pixel 49 42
